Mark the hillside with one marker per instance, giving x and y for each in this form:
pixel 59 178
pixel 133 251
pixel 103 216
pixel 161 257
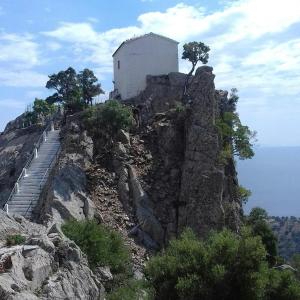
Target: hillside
pixel 287 230
pixel 148 184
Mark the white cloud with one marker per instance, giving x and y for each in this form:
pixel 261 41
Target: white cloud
pixel 250 47
pixel 22 78
pixel 19 50
pixel 93 20
pixel 53 46
pixel 11 103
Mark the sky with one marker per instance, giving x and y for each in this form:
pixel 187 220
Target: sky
pixel 272 177
pixel 255 47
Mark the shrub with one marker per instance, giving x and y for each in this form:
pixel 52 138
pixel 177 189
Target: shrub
pixel 15 239
pixel 132 290
pixel 295 262
pixel 257 220
pixel 103 247
pixel 108 118
pixel 243 194
pixel 225 266
pixel 235 136
pixel 282 286
pixel 38 111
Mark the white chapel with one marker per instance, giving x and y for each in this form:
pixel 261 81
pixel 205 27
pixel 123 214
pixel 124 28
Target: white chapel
pixel 149 54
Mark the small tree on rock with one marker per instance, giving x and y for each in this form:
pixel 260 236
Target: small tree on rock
pixel 90 87
pixel 75 91
pixel 194 52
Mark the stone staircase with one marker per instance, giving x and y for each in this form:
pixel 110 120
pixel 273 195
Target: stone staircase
pixel 29 187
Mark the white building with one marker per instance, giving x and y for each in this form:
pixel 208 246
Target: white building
pixel 150 54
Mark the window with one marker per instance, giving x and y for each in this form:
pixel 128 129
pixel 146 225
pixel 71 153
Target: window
pixel 118 64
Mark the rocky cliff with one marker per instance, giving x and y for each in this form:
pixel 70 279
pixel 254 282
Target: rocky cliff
pixel 162 176
pixel 177 155
pixel 47 266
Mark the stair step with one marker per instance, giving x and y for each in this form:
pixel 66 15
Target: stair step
pixel 24 204
pixel 27 198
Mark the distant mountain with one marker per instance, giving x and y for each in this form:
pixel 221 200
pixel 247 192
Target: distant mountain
pixel 273 176
pixel 287 231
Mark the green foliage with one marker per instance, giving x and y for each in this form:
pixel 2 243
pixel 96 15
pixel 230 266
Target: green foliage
pixel 225 266
pixel 74 90
pixel 257 214
pixel 243 193
pixel 235 136
pixel 257 220
pixel 30 118
pixel 295 262
pixel 195 52
pixel 103 247
pixel 283 286
pixel 225 154
pixel 15 239
pixel 43 108
pixel 108 118
pixel 89 86
pixel 65 84
pixel 132 290
pixel 38 111
pixel 179 107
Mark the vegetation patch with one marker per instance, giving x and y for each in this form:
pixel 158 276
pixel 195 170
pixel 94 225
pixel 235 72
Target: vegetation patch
pixel 15 239
pixel 236 138
pixel 224 266
pixel 105 120
pixel 37 112
pixel 103 247
pixel 133 290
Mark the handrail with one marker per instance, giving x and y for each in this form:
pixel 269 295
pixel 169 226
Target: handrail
pixel 44 176
pixel 31 157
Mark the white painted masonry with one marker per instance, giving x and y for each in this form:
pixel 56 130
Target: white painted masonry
pixel 150 54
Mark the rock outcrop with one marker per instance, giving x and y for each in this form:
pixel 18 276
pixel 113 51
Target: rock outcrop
pixel 66 195
pixel 46 266
pixel 184 179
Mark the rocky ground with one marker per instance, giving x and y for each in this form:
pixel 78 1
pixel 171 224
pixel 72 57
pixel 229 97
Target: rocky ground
pixel 45 266
pixel 111 211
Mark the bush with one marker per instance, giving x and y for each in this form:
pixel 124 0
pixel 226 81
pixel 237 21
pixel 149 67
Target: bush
pixel 243 194
pixel 103 247
pixel 38 111
pixel 283 286
pixel 225 266
pixel 236 137
pixel 257 220
pixel 108 118
pixel 15 239
pixel 132 290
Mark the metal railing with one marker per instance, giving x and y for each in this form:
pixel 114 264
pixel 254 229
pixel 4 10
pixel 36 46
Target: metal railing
pixel 42 138
pixel 44 178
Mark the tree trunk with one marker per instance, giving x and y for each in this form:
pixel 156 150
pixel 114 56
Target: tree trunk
pixel 186 84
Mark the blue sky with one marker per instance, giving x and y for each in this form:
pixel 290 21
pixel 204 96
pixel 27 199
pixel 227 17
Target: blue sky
pixel 255 48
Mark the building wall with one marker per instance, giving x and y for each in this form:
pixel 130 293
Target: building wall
pixel 149 55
